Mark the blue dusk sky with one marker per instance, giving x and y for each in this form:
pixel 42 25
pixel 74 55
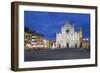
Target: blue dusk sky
pixel 48 23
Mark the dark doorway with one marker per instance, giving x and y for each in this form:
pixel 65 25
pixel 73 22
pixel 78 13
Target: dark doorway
pixel 75 45
pixel 59 45
pixel 67 45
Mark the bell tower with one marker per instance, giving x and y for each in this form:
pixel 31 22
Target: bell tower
pixel 80 36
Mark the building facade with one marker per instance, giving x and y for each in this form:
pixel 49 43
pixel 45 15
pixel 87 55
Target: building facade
pixel 27 40
pixel 86 43
pixel 37 41
pixel 68 37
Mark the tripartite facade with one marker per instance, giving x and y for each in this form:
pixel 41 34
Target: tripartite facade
pixel 68 37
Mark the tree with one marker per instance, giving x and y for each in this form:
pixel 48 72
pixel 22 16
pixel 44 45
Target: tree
pixel 27 30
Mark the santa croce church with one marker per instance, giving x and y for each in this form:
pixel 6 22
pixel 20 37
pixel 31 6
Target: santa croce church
pixel 68 37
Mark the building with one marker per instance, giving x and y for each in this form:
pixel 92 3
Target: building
pixel 86 43
pixel 46 43
pixel 68 37
pixel 33 40
pixel 27 39
pixel 37 40
pixel 40 41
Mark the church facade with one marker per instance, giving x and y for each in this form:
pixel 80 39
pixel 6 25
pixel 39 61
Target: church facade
pixel 68 37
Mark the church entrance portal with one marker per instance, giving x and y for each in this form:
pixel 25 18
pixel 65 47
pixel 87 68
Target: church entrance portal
pixel 67 45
